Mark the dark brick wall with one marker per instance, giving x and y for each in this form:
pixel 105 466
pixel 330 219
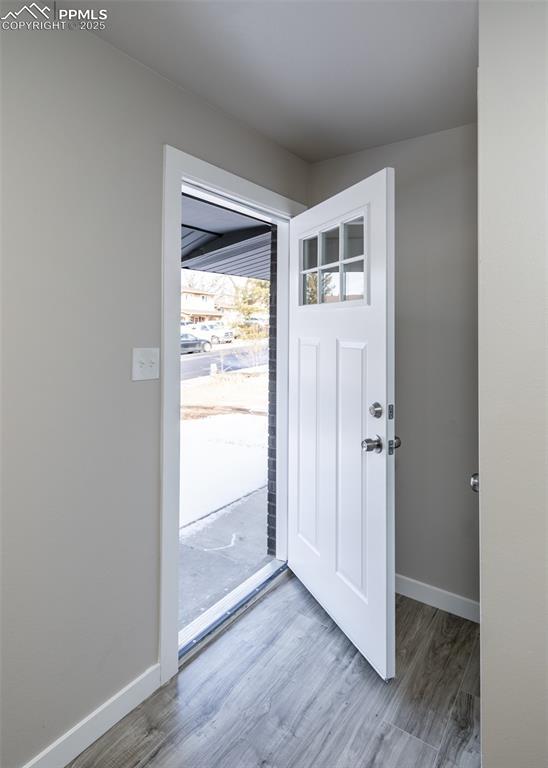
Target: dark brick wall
pixel 271 495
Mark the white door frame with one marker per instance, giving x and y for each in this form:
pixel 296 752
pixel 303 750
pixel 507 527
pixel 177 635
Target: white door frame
pixel 183 172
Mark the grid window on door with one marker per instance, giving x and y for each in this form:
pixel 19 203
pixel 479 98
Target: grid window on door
pixel 333 264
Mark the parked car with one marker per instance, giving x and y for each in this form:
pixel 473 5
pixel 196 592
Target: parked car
pixel 191 343
pixel 257 322
pixel 214 332
pixel 220 324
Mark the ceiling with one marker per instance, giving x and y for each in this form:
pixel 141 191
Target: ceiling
pixel 214 239
pixel 321 78
pixel 204 222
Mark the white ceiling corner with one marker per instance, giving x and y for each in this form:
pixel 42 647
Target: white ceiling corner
pixel 321 78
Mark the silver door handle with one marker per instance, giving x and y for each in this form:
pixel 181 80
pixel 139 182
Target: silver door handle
pixel 370 445
pixel 397 441
pixel 474 482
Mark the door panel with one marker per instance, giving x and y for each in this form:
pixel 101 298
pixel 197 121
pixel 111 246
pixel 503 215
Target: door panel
pixel 308 420
pixel 341 361
pixel 350 480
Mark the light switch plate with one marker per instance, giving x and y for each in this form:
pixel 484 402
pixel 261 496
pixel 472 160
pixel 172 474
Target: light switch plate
pixel 146 363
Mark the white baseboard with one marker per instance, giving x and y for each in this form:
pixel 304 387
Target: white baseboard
pixel 88 730
pixel 438 598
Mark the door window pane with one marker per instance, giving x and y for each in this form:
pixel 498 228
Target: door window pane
pixel 310 288
pixel 330 289
pixel 310 253
pixel 354 280
pixel 353 239
pixel 330 246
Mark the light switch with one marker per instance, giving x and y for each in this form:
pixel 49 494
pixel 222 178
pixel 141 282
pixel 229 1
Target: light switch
pixel 146 363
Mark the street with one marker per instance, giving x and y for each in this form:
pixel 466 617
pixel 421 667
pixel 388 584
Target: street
pixel 228 357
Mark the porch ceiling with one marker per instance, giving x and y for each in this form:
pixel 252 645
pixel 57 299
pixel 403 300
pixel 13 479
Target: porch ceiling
pixel 214 239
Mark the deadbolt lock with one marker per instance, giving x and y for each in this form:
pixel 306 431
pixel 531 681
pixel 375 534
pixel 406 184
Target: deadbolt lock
pixel 375 410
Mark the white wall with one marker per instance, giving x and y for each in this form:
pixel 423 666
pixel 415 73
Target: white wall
pixel 513 247
pixel 83 134
pixel 436 347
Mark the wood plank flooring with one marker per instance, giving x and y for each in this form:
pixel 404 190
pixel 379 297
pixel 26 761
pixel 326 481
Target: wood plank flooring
pixel 284 688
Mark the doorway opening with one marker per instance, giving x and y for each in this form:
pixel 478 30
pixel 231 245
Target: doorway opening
pixel 227 523
pixel 426 640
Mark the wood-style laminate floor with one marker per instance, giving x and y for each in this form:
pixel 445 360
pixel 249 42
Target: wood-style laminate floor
pixel 284 688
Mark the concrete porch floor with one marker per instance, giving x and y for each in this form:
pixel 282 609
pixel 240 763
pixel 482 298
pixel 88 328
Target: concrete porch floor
pixel 223 459
pixel 220 551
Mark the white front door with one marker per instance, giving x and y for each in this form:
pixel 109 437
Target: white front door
pixel 341 393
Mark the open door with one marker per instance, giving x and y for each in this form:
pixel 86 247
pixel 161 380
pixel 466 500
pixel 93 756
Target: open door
pixel 341 412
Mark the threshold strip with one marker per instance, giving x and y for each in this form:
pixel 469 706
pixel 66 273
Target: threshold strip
pixel 209 621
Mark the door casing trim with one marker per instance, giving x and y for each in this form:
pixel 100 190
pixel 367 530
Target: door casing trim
pixel 185 173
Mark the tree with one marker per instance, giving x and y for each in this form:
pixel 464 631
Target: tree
pixel 328 287
pixel 253 298
pixel 193 279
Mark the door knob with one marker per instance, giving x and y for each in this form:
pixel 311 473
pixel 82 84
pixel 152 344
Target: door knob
pixel 370 444
pixel 474 482
pixel 397 442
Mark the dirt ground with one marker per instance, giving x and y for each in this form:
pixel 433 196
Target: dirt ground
pixel 233 392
